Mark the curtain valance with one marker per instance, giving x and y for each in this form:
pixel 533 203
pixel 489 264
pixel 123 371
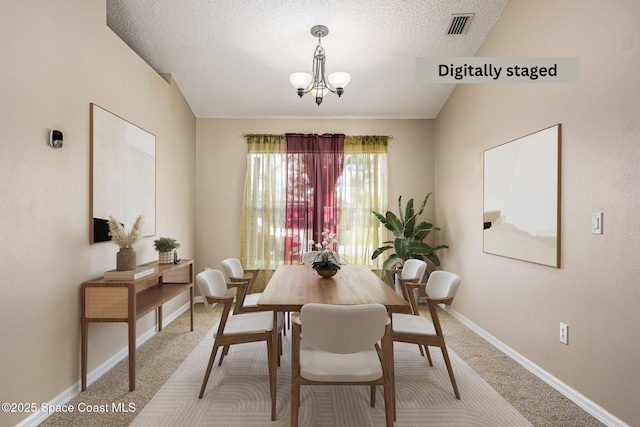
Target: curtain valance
pixel 268 143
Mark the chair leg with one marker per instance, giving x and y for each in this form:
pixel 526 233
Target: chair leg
pixel 295 402
pixel 426 350
pixel 214 350
pixel 445 355
pixel 279 349
pixel 272 378
pixel 373 396
pixel 295 373
pixel 287 324
pixel 225 351
pixel 388 404
pixel 421 351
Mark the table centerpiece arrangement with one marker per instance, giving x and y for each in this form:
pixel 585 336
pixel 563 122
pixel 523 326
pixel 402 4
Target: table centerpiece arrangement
pixel 325 259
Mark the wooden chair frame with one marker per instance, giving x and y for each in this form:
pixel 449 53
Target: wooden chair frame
pixel 424 340
pixel 241 286
pixel 222 340
pixel 250 277
pixel 297 380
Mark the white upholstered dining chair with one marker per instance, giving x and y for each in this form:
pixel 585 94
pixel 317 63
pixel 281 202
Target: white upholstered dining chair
pixel 338 345
pixel 246 300
pixel 416 329
pixel 234 328
pixel 412 271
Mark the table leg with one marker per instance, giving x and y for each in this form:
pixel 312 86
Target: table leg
pixel 387 350
pixel 273 361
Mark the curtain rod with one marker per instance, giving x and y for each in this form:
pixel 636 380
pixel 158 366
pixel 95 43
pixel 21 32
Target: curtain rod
pixel 388 136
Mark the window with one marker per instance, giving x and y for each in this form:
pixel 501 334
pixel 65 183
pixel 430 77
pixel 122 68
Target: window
pixel 289 197
pixel 363 188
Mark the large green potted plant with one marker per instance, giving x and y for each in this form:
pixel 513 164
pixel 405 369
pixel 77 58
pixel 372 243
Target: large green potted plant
pixel 409 237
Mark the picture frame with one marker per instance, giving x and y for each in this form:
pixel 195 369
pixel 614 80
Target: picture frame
pixel 123 174
pixel 521 198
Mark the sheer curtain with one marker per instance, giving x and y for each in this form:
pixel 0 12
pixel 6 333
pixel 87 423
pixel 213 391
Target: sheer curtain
pixel 297 185
pixel 314 165
pixel 263 216
pixel 363 187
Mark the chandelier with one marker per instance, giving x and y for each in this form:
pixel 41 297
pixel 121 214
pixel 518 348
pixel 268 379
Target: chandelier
pixel 316 83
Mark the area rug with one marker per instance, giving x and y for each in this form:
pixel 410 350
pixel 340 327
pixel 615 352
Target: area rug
pixel 238 394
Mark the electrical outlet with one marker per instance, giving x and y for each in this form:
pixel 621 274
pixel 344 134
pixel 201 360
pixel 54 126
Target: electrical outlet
pixel 564 333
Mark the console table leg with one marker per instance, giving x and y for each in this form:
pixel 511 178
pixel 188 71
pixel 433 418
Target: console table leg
pixel 84 354
pixel 191 305
pixel 132 354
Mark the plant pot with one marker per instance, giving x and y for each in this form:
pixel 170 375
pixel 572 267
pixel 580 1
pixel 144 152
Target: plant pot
pixel 327 273
pixel 165 257
pixel 126 259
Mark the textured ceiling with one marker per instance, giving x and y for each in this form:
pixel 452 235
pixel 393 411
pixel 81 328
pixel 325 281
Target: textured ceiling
pixel 232 59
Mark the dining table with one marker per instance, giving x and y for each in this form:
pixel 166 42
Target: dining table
pixel 293 286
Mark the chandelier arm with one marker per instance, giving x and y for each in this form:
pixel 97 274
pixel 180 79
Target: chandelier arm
pixel 318 70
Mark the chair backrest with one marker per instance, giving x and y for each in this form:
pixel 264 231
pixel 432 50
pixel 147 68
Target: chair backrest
pixel 231 267
pixel 413 268
pixel 211 283
pixel 343 329
pixel 442 284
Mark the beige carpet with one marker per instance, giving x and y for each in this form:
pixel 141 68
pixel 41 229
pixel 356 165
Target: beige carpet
pixel 238 394
pixel 162 355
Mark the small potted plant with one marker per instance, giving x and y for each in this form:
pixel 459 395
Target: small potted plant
pixel 165 246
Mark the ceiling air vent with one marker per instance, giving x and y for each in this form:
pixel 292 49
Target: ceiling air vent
pixel 460 23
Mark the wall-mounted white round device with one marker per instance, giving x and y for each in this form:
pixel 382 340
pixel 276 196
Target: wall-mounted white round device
pixel 55 139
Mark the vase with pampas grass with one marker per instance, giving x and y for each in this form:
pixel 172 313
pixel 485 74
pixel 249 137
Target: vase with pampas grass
pixel 126 256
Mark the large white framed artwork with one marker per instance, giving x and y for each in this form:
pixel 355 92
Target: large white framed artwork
pixel 123 174
pixel 522 198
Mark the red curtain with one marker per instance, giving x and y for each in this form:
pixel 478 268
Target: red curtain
pixel 314 165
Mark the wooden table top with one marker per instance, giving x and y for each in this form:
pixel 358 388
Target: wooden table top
pixel 292 286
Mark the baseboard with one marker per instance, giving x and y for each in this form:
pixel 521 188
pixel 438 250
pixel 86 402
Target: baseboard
pixel 582 401
pixel 74 390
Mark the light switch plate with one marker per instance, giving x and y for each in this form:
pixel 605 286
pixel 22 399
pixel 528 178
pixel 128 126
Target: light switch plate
pixel 596 223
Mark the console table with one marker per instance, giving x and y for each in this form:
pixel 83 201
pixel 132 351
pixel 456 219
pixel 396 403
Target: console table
pixel 128 300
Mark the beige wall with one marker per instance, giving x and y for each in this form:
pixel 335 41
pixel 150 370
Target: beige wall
pixel 45 220
pixel 596 290
pixel 221 166
pixel 57 57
